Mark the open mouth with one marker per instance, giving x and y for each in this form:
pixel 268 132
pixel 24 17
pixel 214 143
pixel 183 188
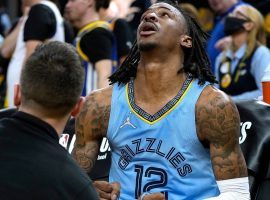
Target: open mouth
pixel 148 28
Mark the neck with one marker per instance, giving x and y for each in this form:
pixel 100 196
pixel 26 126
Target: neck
pixel 87 19
pixel 35 2
pixel 238 40
pixel 157 75
pixel 230 4
pixel 103 15
pixel 57 123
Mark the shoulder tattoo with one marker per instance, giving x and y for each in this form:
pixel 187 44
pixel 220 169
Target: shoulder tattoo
pixel 218 123
pixel 91 126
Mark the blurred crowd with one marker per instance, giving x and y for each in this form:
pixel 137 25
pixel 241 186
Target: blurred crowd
pixel 103 32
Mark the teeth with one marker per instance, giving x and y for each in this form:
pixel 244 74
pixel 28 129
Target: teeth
pixel 148 29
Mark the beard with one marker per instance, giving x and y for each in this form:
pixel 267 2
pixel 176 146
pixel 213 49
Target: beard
pixel 147 46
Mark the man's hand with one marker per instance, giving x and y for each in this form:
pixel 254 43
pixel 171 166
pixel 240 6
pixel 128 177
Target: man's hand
pixel 107 191
pixel 154 196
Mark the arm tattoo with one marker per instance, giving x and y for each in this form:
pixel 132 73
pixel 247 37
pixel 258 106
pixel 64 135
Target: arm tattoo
pixel 218 123
pixel 86 156
pixel 91 126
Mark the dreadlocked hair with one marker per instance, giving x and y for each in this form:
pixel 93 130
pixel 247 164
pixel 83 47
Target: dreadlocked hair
pixel 128 69
pixel 196 61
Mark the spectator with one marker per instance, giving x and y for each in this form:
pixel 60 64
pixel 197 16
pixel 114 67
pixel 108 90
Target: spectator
pixel 6 50
pixel 33 163
pixel 122 7
pixel 264 8
pixel 120 28
pixel 222 9
pixel 267 69
pixel 240 68
pixel 5 23
pixel 136 9
pixel 94 42
pixel 190 9
pixel 43 22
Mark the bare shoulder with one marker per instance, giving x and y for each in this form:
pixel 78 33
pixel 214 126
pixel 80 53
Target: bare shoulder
pixel 101 96
pixel 91 126
pixel 215 113
pixel 218 126
pixel 92 122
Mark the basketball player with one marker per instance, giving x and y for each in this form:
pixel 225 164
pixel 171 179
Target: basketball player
pixel 171 132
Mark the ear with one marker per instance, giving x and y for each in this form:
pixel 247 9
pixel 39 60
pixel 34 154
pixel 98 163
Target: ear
pixel 17 95
pixel 77 108
pixel 186 41
pixel 248 26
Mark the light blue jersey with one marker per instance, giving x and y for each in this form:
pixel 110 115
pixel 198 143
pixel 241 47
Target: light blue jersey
pixel 161 152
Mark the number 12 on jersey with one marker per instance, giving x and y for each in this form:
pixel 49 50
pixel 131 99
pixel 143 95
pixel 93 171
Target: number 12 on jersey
pixel 151 171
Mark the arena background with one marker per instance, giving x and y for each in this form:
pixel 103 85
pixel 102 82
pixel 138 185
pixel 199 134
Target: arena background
pixel 13 6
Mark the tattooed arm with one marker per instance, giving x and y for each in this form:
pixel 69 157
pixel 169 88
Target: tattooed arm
pixel 218 127
pixel 90 127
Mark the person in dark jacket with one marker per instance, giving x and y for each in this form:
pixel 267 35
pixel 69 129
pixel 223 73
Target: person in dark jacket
pixel 33 165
